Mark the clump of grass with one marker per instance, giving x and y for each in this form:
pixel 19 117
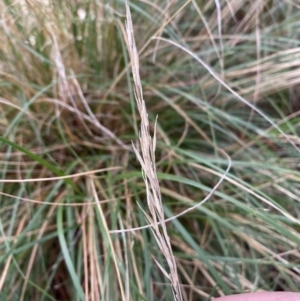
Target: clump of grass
pixel 73 200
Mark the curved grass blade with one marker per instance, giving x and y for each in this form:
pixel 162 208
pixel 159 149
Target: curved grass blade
pixel 40 160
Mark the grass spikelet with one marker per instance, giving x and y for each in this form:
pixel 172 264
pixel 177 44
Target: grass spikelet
pixel 147 161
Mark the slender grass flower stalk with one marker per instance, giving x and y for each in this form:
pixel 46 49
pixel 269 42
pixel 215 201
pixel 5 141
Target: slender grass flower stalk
pixel 147 161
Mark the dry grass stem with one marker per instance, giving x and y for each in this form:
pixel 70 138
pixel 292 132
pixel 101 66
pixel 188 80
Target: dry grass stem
pixel 147 161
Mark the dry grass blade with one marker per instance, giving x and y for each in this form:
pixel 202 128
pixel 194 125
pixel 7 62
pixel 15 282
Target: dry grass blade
pixel 237 95
pixel 147 161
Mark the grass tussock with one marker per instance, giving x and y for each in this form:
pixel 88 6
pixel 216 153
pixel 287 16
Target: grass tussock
pixel 215 209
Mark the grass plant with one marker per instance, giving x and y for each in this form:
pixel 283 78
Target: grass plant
pixel 203 96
